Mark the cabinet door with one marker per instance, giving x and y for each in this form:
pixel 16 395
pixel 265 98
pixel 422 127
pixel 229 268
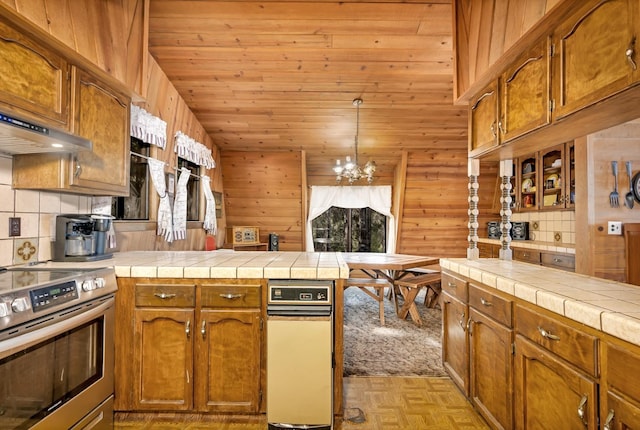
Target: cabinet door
pixel 34 80
pixel 570 175
pixel 619 413
pixel 101 115
pixel 455 345
pixel 595 54
pixel 491 361
pixel 483 121
pixel 163 359
pixel 525 93
pixel 228 360
pixel 549 393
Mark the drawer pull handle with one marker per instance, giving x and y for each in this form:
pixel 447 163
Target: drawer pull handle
pixel 557 260
pixel 451 284
pixel 230 296
pixel 187 328
pixel 485 302
pixel 582 410
pixel 547 335
pixel 164 296
pixel 609 420
pixel 203 329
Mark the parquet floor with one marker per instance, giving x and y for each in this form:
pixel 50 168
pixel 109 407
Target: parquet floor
pixel 372 403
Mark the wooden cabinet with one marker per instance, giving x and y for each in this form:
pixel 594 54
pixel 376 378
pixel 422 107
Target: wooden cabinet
pixel 526 255
pixel 527 188
pixel 524 101
pixel 549 393
pixel 620 393
pixel 164 317
pixel 229 348
pixel 491 356
pixel 488 250
pixel 191 345
pixel 35 80
pixel 483 121
pixel 556 367
pixel 101 115
pixel 455 344
pixel 595 54
pixel 558 261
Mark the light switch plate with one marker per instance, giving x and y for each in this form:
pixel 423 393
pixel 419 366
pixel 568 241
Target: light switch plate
pixel 14 226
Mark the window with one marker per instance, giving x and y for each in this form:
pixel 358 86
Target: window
pixel 350 230
pixel 193 188
pixel 136 206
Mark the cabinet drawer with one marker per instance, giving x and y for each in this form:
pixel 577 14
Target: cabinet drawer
pixel 619 366
pixel 559 261
pixel 230 296
pixel 455 286
pixel 490 304
pixel 526 255
pixel 576 347
pixel 165 295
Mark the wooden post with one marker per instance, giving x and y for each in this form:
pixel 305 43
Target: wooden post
pixel 506 172
pixel 474 171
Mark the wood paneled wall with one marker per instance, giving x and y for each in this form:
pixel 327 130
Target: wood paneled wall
pixel 601 254
pixel 265 190
pixel 486 29
pixel 434 217
pixel 109 34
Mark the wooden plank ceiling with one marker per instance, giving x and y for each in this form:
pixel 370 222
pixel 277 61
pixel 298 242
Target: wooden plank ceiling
pixel 282 75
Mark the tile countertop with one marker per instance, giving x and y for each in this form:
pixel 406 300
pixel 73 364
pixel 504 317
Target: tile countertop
pixel 220 264
pixel 534 244
pixel 609 306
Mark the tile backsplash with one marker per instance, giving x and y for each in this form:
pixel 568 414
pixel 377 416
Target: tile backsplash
pixel 37 211
pixel 552 226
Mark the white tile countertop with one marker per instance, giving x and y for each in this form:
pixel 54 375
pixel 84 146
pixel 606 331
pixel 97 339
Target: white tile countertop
pixel 220 264
pixel 609 306
pixel 534 244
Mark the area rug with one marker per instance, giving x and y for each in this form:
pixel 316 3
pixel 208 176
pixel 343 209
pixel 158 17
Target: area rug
pixel 399 348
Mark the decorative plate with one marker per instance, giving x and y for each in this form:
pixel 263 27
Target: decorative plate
pixel 635 185
pixel 526 184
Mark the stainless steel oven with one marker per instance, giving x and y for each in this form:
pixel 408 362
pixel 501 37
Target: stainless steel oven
pixel 56 349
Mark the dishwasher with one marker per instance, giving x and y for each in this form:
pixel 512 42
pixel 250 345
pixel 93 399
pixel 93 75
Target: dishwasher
pixel 300 354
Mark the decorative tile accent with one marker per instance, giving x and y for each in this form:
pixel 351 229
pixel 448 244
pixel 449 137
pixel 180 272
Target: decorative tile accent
pixel 25 250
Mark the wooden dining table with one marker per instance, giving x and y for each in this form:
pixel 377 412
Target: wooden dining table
pixel 392 267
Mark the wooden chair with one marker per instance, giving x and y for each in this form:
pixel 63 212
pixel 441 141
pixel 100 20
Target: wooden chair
pixel 373 287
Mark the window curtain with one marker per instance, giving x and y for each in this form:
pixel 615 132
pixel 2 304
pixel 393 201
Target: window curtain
pixel 377 198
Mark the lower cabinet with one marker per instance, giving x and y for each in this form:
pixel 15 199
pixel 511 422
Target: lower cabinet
pixel 620 389
pixel 194 346
pixel 491 356
pixel 455 343
pixel 549 393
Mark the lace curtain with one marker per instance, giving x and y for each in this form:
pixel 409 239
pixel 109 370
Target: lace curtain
pixel 165 218
pixel 377 198
pixel 148 128
pixel 210 221
pixel 193 151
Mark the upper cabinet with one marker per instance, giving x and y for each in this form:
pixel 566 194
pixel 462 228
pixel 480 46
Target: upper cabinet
pixel 524 103
pixel 595 54
pixel 558 177
pixel 101 115
pixel 35 81
pixel 483 120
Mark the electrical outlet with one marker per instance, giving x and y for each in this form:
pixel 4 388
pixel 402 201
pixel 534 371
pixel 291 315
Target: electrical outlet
pixel 615 228
pixel 14 226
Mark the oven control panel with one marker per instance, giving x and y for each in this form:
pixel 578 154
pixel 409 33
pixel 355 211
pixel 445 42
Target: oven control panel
pixel 300 293
pixel 53 295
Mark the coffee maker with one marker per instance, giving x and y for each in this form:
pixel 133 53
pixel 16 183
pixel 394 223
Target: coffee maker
pixel 81 237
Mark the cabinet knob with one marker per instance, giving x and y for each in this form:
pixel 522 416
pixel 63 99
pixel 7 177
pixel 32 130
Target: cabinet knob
pixel 547 335
pixel 485 302
pixel 582 410
pixel 203 329
pixel 630 53
pixel 230 296
pixel 607 423
pixel 187 328
pixel 164 296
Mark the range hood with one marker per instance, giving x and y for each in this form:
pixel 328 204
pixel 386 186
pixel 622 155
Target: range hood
pixel 19 136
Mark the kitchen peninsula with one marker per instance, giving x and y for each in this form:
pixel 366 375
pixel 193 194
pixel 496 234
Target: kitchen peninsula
pixel 560 344
pixel 190 330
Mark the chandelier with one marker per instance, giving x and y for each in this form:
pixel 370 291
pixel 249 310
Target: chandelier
pixel 351 170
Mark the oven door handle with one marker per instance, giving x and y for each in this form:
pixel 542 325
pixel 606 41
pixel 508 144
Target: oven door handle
pixel 55 325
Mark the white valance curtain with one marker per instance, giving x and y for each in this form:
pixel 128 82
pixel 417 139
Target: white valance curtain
pixel 377 198
pixel 148 128
pixel 196 152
